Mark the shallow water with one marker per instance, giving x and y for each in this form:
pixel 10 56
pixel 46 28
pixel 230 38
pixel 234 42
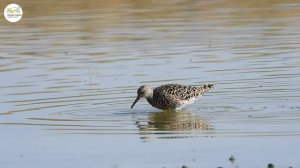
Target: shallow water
pixel 69 74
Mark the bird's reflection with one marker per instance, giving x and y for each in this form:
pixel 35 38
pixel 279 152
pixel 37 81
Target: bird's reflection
pixel 171 122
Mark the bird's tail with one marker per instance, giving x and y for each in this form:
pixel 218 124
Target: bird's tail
pixel 206 88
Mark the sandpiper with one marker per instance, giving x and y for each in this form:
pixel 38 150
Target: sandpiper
pixel 171 96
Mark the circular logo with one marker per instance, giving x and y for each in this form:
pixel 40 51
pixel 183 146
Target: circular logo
pixel 13 13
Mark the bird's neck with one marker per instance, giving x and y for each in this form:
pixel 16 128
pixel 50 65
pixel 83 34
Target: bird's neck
pixel 150 99
pixel 149 96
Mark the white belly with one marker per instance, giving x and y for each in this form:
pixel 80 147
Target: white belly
pixel 186 102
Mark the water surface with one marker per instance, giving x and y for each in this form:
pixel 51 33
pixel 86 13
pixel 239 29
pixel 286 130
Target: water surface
pixel 69 74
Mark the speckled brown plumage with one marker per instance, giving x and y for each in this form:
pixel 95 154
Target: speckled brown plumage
pixel 171 96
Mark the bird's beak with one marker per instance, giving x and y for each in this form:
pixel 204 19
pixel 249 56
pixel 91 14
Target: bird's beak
pixel 136 100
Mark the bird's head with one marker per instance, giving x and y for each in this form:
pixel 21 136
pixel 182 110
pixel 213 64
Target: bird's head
pixel 143 92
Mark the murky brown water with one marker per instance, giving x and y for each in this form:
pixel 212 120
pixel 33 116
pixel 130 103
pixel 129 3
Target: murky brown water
pixel 69 73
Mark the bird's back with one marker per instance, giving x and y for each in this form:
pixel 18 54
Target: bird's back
pixel 173 96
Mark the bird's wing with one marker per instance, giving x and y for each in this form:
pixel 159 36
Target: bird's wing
pixel 179 92
pixel 164 100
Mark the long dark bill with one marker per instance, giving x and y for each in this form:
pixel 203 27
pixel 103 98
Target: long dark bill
pixel 136 100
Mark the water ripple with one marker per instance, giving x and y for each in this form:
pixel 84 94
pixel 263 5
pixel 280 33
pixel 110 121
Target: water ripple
pixel 74 78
